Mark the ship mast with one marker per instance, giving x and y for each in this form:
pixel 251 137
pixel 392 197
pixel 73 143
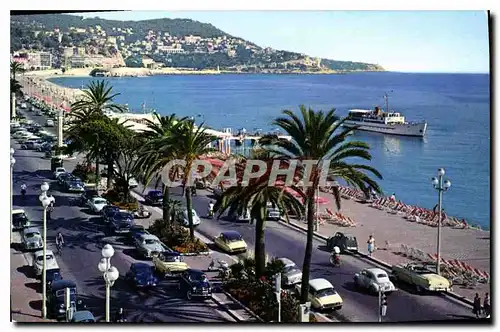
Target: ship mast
pixel 386 97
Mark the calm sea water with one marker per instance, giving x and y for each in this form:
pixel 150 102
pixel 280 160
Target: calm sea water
pixel 456 107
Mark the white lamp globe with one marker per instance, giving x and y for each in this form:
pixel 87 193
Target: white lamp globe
pixel 44 186
pixel 108 251
pixel 45 202
pixel 11 151
pixel 41 197
pixel 103 264
pixel 447 184
pixel 441 171
pixel 435 181
pixel 12 161
pixel 112 274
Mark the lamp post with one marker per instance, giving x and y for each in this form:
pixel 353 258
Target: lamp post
pixel 441 186
pixel 109 273
pixel 45 204
pixel 60 124
pixel 12 162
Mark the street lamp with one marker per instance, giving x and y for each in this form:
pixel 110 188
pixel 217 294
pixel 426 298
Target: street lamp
pixel 441 186
pixel 109 273
pixel 45 204
pixel 12 162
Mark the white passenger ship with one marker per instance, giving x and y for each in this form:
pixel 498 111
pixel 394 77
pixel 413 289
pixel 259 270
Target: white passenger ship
pixel 392 123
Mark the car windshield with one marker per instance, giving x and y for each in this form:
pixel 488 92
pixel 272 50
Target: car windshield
pixel 122 215
pixel 150 241
pixel 48 257
pixel 172 258
pixel 61 292
pixel 99 201
pixel 290 268
pixel 232 237
pixel 155 193
pixel 198 276
pixel 326 292
pixel 382 276
pixel 32 235
pixel 19 217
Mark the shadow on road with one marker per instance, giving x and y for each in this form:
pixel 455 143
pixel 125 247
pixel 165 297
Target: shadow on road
pixel 35 286
pixel 27 270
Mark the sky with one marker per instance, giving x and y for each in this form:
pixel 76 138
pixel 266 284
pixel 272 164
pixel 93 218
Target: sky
pixel 406 41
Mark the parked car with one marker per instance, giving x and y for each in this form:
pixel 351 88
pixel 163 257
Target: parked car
pixel 373 280
pixel 194 283
pixel 55 162
pixel 59 171
pixel 38 113
pixel 121 222
pixel 49 123
pixel 231 242
pixel 74 185
pixel 154 197
pixel 345 242
pixel 148 245
pixel 50 261
pixel 136 231
pixel 87 195
pixel 273 213
pixel 421 277
pixel 32 239
pixel 96 204
pixel 182 218
pixel 56 306
pixel 132 183
pixel 245 216
pixel 108 211
pixel 141 275
pixel 83 316
pixel 322 295
pixel 291 272
pixel 52 276
pixel 169 263
pixel 20 220
pixel 63 177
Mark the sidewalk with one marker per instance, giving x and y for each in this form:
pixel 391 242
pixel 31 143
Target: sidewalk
pixel 392 230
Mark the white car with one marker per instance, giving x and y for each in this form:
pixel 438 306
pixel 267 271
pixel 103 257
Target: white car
pixel 148 245
pixel 182 218
pixel 50 261
pixel 291 272
pixel 96 204
pixel 132 183
pixel 59 171
pixel 21 134
pixel 49 123
pixel 373 279
pixel 24 106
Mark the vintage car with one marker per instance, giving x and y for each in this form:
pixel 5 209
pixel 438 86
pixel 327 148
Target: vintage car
pixel 20 220
pixel 56 306
pixel 108 211
pixel 120 222
pixel 87 195
pixel 83 316
pixel 273 212
pixel 50 261
pixel 59 171
pixel 182 218
pixel 136 231
pixel 141 275
pixel 421 277
pixel 291 272
pixel 169 263
pixel 244 216
pixel 96 204
pixel 345 242
pixel 51 276
pixel 373 280
pixel 154 197
pixel 141 213
pixel 148 245
pixel 32 239
pixel 74 185
pixel 194 283
pixel 322 295
pixel 231 242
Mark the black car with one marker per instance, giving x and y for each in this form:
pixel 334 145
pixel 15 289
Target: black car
pixel 62 178
pixel 141 275
pixel 121 222
pixel 20 220
pixel 135 231
pixel 194 283
pixel 56 306
pixel 108 211
pixel 87 195
pixel 53 275
pixel 154 197
pixel 343 241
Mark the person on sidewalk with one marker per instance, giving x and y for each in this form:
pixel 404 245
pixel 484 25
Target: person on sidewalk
pixel 476 308
pixel 371 245
pixel 487 305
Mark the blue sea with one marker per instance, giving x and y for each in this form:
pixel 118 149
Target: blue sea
pixel 456 107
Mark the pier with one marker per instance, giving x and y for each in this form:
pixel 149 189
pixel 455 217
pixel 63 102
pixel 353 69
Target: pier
pixel 226 137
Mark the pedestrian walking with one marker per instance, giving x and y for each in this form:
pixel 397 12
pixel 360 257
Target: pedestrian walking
pixel 476 309
pixel 487 305
pixel 371 245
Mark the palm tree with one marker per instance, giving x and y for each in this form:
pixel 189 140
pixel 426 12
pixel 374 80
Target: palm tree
pixel 319 136
pixel 15 86
pixel 189 143
pixel 15 68
pixel 156 153
pixel 256 197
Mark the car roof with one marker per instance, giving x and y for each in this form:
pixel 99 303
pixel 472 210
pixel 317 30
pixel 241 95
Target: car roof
pixel 154 191
pixel 18 211
pixel 171 253
pixel 376 270
pixel 31 230
pixel 149 236
pixel 231 234
pixel 40 252
pixel 61 284
pixel 320 283
pixel 286 261
pixel 140 265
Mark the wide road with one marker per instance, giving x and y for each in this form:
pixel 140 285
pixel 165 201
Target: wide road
pixel 84 238
pixel 281 241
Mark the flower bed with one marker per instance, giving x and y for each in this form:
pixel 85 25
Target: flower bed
pixel 86 173
pixel 130 203
pixel 177 238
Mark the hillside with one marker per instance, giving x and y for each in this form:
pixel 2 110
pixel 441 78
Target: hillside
pixel 169 42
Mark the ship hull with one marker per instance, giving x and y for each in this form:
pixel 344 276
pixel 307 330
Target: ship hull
pixel 407 129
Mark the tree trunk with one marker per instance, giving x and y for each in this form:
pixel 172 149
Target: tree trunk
pixel 306 267
pixel 97 175
pixel 189 206
pixel 260 248
pixel 109 181
pixel 166 204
